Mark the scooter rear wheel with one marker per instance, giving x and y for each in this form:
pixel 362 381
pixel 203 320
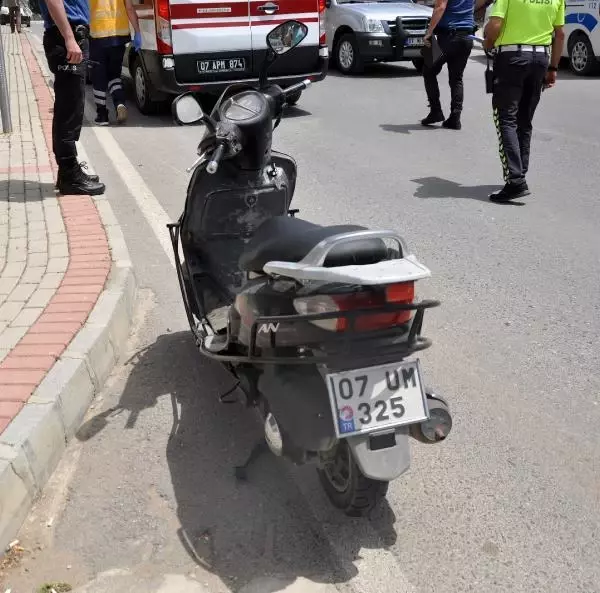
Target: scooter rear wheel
pixel 347 487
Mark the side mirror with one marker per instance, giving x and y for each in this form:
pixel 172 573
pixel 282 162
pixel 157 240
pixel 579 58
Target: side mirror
pixel 286 36
pixel 187 110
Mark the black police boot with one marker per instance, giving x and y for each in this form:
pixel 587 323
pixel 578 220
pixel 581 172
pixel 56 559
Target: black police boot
pixel 73 181
pixel 453 122
pixel 83 166
pixel 436 115
pixel 511 191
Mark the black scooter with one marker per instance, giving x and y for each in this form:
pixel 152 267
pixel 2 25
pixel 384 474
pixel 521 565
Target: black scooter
pixel 316 323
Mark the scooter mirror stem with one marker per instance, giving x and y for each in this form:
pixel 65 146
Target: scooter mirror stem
pixel 269 59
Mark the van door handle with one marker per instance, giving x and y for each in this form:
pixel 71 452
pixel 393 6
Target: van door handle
pixel 269 8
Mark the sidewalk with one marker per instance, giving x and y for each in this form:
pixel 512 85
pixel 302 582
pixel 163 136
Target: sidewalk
pixel 66 295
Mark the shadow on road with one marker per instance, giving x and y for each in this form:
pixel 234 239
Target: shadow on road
pixel 163 117
pixel 407 128
pixel 379 70
pixel 436 187
pixel 13 190
pixel 241 532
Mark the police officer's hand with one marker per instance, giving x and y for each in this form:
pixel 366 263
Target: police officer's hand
pixel 550 79
pixel 427 40
pixel 74 53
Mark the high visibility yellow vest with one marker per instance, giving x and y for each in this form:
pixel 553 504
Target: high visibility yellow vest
pixel 108 18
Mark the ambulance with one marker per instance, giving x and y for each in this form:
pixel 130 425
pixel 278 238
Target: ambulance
pixel 206 45
pixel 582 29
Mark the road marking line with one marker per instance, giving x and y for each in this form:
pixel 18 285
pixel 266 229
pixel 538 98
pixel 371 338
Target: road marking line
pixel 147 202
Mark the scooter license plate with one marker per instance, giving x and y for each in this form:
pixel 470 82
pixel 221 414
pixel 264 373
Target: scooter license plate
pixel 377 398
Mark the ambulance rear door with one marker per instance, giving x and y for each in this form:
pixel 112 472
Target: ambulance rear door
pixel 267 14
pixel 212 40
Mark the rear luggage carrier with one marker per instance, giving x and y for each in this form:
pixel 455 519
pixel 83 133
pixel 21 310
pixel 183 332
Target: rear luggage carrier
pixel 392 343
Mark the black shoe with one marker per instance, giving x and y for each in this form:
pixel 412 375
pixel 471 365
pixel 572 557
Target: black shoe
pixel 435 117
pixel 102 118
pixel 83 166
pixel 511 191
pixel 73 181
pixel 453 122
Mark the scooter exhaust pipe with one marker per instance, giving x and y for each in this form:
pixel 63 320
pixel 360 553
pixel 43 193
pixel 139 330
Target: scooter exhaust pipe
pixel 438 426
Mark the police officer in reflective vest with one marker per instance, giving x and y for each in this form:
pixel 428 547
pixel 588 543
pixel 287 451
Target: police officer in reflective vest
pixel 527 39
pixel 453 23
pixel 66 44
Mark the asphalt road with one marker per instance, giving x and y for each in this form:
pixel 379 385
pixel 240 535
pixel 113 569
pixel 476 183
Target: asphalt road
pixel 511 502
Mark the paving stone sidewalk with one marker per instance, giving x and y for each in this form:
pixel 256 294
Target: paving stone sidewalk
pixel 54 256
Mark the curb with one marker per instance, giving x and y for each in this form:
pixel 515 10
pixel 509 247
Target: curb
pixel 32 445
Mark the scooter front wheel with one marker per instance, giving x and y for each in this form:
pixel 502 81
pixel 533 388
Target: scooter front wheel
pixel 346 486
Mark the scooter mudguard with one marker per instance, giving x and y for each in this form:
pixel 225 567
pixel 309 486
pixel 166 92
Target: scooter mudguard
pixel 383 464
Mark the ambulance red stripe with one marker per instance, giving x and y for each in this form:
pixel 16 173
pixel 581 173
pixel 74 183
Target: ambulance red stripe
pixel 209 11
pixel 237 24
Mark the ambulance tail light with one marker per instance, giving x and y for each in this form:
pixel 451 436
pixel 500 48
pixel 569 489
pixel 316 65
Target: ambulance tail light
pixel 163 27
pixel 322 22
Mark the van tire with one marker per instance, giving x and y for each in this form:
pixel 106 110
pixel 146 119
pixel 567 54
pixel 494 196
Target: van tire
pixel 582 60
pixel 347 55
pixel 143 89
pixel 293 99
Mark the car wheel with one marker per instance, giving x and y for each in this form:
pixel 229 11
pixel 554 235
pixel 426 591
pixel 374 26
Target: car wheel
pixel 582 60
pixel 347 55
pixel 293 99
pixel 143 89
pixel 418 63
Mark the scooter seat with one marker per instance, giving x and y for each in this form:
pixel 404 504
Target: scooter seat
pixel 284 238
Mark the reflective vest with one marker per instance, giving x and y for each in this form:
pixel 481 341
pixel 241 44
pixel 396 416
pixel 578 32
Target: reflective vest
pixel 108 19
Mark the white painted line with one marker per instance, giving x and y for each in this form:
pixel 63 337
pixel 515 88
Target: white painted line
pixel 149 206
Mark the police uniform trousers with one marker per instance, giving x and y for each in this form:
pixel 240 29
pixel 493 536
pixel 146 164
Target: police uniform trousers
pixel 69 92
pixel 519 76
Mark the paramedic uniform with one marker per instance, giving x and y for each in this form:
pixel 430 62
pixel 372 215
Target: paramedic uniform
pixel 520 66
pixel 110 34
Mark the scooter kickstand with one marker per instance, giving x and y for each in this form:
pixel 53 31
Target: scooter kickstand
pixel 241 471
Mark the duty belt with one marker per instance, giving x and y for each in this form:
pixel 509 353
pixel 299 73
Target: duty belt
pixel 529 48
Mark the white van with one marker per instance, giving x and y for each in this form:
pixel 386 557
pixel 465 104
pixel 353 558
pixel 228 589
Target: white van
pixel 206 45
pixel 582 28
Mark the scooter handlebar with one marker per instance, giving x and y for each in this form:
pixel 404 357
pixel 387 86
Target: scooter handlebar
pixel 213 165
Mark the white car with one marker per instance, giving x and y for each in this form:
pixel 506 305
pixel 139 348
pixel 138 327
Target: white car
pixel 582 28
pixel 361 31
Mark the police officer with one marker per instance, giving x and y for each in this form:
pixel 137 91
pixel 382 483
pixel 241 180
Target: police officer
pixel 67 47
pixel 452 22
pixel 528 38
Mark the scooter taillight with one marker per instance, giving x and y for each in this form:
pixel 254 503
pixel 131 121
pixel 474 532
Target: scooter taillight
pixel 330 303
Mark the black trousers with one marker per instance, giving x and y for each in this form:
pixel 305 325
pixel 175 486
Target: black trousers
pixel 15 18
pixel 457 49
pixel 518 82
pixel 106 73
pixel 69 93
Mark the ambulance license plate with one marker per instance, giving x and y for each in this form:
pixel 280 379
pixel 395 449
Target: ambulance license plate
pixel 222 65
